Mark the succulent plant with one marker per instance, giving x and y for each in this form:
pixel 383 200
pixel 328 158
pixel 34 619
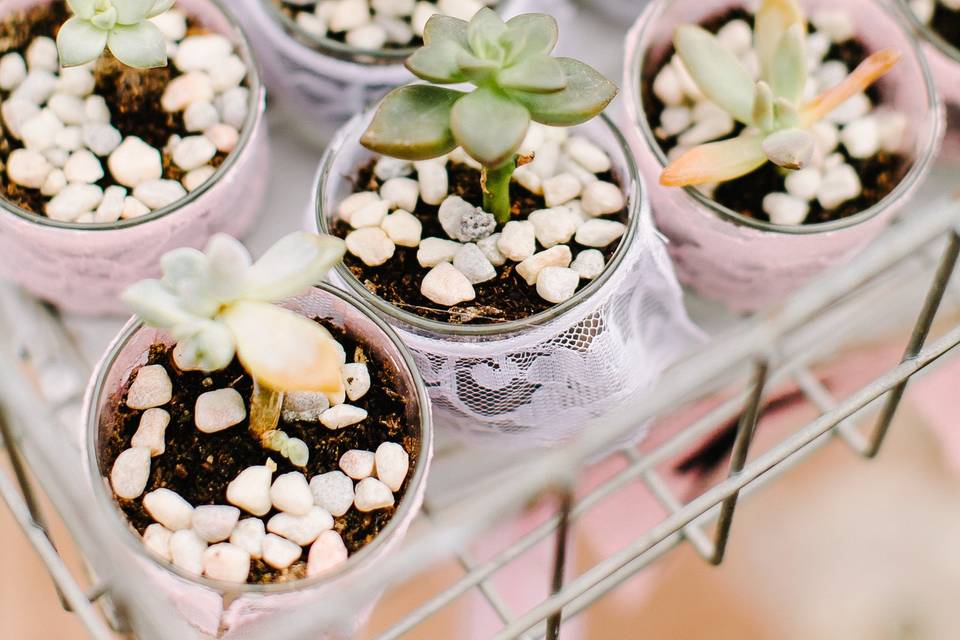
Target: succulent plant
pixel 121 25
pixel 776 118
pixel 217 304
pixel 516 81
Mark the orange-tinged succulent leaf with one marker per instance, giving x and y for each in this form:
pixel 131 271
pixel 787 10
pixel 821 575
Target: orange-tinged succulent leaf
pixel 868 72
pixel 715 162
pixel 771 22
pixel 283 350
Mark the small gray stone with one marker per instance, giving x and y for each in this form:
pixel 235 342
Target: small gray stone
pixel 489 247
pixel 451 212
pixel 304 406
pixel 476 225
pixel 471 262
pixel 333 491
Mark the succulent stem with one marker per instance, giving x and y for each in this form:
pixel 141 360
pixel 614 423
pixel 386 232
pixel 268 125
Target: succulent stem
pixel 264 410
pixel 496 190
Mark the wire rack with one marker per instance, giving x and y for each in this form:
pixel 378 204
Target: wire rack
pixel 45 371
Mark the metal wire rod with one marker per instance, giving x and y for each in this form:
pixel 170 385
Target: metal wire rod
pixel 691 531
pixel 920 332
pixel 822 399
pixel 560 558
pixel 731 485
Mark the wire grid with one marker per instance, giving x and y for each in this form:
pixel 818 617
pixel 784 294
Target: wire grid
pixel 779 346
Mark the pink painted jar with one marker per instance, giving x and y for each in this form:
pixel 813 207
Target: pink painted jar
pixel 943 57
pixel 83 267
pixel 747 263
pixel 223 610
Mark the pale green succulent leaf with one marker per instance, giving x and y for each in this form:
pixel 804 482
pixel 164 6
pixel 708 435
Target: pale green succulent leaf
pixel 413 123
pixel 206 345
pixel 441 28
pixel 131 12
pixel 475 69
pixel 79 42
pixel 484 32
pixel 105 20
pixel 539 33
pixel 156 305
pixel 785 114
pixel 489 126
pixel 291 266
pixel 716 162
pixel 789 148
pixel 141 45
pixel 535 73
pixel 789 66
pixel 771 22
pixel 587 93
pixel 717 71
pixel 297 452
pixel 437 62
pixel 83 8
pixel 161 6
pixel 763 116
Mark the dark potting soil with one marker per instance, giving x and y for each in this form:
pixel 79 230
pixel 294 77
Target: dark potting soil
pixel 506 298
pixel 879 174
pixel 946 22
pixel 199 466
pixel 132 95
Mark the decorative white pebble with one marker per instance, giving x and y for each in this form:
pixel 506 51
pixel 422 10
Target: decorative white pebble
pixel 392 464
pixel 333 491
pixel 233 106
pixel 135 162
pixel 599 233
pixel 706 129
pixel 69 109
pixel 356 380
pixel 861 137
pixel 56 156
pixel 554 226
pixel 169 509
pixel 530 269
pixel 151 431
pixel 432 176
pixel 40 131
pixel 560 189
pixel 228 73
pixel 76 81
pixel 157 194
pixel 223 136
pixel 370 215
pixel 214 523
pixel 784 208
pixel 372 494
pixel 357 464
pixel 200 116
pixel 472 263
pixel 602 198
pixel 529 179
pixel 518 240
pixel 102 139
pixel 248 535
pixel 395 8
pixel 836 23
pixel 588 263
pixel 403 228
pixel 130 473
pixel 184 90
pixel 421 14
pixel 348 14
pixel 42 54
pixel 369 37
pixel 74 201
pixel 451 213
pixel 855 107
pixel 156 538
pixel 388 168
pixel 675 120
pixel 279 552
pixel 250 490
pixel 401 193
pixel 342 416
pixel 133 208
pixel 219 410
pixel 193 152
pixel 111 206
pixel 195 179
pixel 186 551
pixel 355 202
pixel 37 87
pixel 433 251
pixel 840 183
pixel 804 183
pixel 302 529
pixel 371 245
pixel 557 284
pixel 589 155
pixel 83 166
pixel 96 110
pixel 13 70
pixel 447 286
pixel 54 184
pixel 151 388
pixel 172 23
pixel 326 553
pixel 546 161
pixel 226 562
pixel 304 406
pixel 666 86
pixel 28 168
pixel 69 138
pixel 16 112
pixel 489 248
pixel 891 128
pixel 290 493
pixel 202 52
pixel 736 35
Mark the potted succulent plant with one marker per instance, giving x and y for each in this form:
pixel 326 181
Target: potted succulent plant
pixel 777 155
pixel 326 60
pixel 513 254
pixel 253 451
pixel 938 23
pixel 110 156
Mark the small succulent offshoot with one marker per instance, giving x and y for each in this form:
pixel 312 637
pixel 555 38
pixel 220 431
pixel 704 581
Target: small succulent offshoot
pixel 123 26
pixel 218 303
pixel 772 109
pixel 516 81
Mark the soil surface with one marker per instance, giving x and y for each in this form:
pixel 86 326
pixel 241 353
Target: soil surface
pixel 506 298
pixel 879 175
pixel 199 466
pixel 946 22
pixel 133 96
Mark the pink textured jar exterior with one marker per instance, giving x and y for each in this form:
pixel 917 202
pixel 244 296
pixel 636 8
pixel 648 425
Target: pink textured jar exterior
pixel 745 263
pixel 224 610
pixel 83 268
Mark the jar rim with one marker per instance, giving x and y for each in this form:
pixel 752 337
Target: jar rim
pixel 636 195
pixel 255 108
pixel 918 169
pixel 929 33
pixel 407 507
